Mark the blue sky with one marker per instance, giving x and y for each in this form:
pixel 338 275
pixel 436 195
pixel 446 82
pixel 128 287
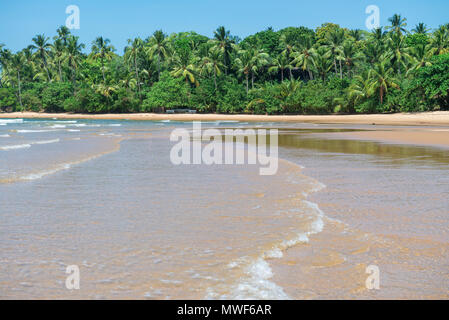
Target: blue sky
pixel 20 20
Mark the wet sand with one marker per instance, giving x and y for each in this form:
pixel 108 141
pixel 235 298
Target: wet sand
pixel 384 203
pixel 428 118
pixel 410 136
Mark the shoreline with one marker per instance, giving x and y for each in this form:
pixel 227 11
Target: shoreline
pixel 437 118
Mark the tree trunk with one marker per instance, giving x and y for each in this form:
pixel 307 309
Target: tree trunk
pixel 335 66
pixel 341 70
pixel 381 95
pixel 60 72
pixel 247 85
pixel 282 75
pixel 158 67
pixel 215 79
pixel 102 71
pixel 252 80
pixel 46 68
pixel 310 74
pixel 137 75
pixel 74 81
pixel 20 92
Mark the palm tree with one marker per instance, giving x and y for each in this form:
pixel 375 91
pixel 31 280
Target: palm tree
pixel 378 35
pixel 288 46
pixel 334 41
pixel 132 53
pixel 212 63
pixel 398 24
pixel 362 87
pixel 102 50
pixel 349 55
pixel 244 64
pixel 63 34
pixel 304 57
pixel 356 34
pixel 383 80
pixel 421 28
pixel 322 62
pixel 259 60
pixel 58 50
pixel 420 57
pixel 42 46
pixel 280 64
pixel 184 66
pixel 158 47
pixel 5 61
pixel 17 63
pixel 128 82
pixel 399 51
pixel 372 52
pixel 223 41
pixel 440 41
pixel 73 57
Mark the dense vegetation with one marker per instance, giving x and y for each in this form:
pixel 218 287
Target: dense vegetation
pixel 294 70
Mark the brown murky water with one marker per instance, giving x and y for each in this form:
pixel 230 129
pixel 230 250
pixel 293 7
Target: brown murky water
pixel 104 195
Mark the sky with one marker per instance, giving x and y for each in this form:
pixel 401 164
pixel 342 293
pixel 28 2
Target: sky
pixel 21 20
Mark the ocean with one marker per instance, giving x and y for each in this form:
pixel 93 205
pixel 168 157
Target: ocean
pixel 104 195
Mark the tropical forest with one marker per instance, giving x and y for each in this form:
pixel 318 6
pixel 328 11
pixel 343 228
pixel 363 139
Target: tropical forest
pixel 296 70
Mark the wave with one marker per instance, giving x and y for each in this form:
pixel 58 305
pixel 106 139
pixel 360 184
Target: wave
pixel 39 175
pixel 34 131
pixel 27 145
pixel 15 147
pixel 63 166
pixel 4 135
pixel 58 126
pixel 256 286
pixel 8 121
pixel 256 283
pixel 46 141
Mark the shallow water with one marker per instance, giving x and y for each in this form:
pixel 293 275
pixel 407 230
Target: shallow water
pixel 104 195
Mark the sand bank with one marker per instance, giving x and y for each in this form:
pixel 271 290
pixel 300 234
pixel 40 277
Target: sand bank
pixel 416 136
pixel 440 118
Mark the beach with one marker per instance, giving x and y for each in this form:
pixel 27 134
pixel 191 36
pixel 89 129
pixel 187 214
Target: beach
pixel 102 194
pixel 426 118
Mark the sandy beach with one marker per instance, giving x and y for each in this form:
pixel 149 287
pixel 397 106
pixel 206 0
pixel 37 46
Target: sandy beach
pixel 438 118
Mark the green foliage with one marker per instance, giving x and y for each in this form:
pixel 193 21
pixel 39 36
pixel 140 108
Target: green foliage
pixel 8 99
pixel 86 100
pixel 233 98
pixel 434 80
pixel 168 93
pixel 294 70
pixel 54 95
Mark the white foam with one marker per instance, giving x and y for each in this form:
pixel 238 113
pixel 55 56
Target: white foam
pixel 4 135
pixel 114 125
pixel 15 147
pixel 34 131
pixel 39 175
pixel 73 130
pixel 46 141
pixel 165 121
pixel 257 285
pixel 7 121
pixel 58 126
